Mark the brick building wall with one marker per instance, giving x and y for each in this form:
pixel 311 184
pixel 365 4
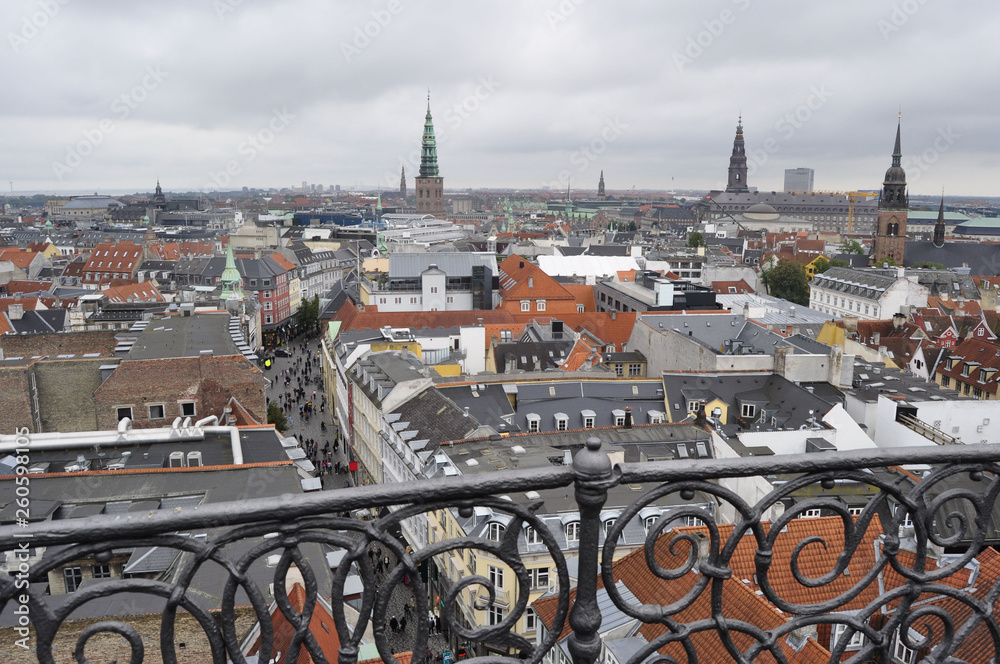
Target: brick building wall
pixel 207 381
pixel 15 407
pixel 111 647
pixel 66 393
pixel 76 343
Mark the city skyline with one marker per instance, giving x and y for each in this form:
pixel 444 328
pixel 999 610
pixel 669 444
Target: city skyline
pixel 227 94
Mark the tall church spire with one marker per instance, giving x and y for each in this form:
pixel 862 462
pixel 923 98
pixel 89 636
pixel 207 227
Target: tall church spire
pixel 600 188
pixel 893 205
pixel 429 183
pixel 939 226
pixel 402 181
pixel 428 148
pixel 738 163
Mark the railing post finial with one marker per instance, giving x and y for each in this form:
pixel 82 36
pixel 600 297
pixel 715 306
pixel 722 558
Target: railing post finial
pixel 593 473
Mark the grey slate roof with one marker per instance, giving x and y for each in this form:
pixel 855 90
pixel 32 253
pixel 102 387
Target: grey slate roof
pixel 454 264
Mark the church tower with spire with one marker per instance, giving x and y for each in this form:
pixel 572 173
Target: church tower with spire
pixel 600 188
pixel 738 163
pixel 402 182
pixel 939 226
pixel 429 184
pixel 893 204
pixel 231 279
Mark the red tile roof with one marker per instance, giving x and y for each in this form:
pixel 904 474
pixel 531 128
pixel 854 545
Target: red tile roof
pixel 140 292
pixel 521 280
pixel 983 360
pixel 21 258
pixel 583 294
pixel 609 328
pixel 321 625
pixel 723 287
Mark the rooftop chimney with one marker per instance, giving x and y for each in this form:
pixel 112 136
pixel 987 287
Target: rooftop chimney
pixel 628 417
pixel 15 311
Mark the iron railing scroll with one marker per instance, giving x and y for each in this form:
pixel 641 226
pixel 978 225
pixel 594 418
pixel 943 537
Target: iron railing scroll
pixel 930 519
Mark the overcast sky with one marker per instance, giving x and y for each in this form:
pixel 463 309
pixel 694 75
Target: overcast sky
pixel 208 94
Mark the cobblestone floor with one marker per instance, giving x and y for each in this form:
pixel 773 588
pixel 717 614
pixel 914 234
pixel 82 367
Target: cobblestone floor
pixel 302 430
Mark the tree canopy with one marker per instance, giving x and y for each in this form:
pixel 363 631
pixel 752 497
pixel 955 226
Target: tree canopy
pixel 821 265
pixel 696 240
pixel 853 247
pixel 276 416
pixel 787 280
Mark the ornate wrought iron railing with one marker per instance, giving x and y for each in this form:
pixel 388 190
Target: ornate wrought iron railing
pixel 923 614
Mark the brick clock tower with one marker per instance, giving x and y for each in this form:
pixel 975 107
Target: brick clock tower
pixel 429 184
pixel 893 203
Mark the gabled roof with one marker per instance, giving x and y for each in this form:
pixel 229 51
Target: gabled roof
pixel 521 280
pixel 978 360
pixel 21 258
pixel 727 287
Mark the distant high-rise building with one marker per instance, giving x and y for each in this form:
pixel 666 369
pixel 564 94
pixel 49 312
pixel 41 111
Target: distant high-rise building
pixel 429 184
pixel 402 181
pixel 305 186
pixel 799 180
pixel 600 188
pixel 893 205
pixel 738 163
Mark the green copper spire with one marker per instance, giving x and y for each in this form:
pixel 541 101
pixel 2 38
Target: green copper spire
pixel 231 280
pixel 428 149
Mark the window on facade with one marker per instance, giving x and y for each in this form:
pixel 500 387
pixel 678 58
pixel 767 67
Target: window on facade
pixel 561 424
pixel 650 522
pixel 533 425
pixel 619 420
pixel 900 652
pixel 619 369
pixel 692 521
pixel 579 308
pixel 434 289
pixel 124 412
pixel 573 531
pixel 530 620
pixel 531 536
pixel 494 531
pixel 855 511
pixel 748 410
pixel 102 571
pixel 495 575
pixel 187 409
pixel 945 381
pixel 635 369
pixel 608 525
pixel 495 615
pixel 156 412
pixel 540 305
pixel 588 423
pixel 525 305
pixel 811 514
pixel 539 578
pixel 73 576
pixel 268 319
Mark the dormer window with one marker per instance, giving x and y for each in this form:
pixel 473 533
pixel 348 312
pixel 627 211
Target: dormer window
pixel 573 531
pixel 562 421
pixel 531 536
pixel 619 417
pixel 534 420
pixel 495 531
pixel 588 418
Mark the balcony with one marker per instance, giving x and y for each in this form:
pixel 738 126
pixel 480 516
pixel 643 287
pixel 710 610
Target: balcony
pixel 922 579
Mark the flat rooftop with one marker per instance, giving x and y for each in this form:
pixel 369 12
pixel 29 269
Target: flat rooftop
pixel 184 336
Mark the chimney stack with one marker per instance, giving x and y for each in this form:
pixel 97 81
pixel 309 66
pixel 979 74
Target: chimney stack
pixel 628 417
pixel 15 311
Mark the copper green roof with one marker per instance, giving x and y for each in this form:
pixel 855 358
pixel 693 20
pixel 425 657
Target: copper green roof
pixel 428 150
